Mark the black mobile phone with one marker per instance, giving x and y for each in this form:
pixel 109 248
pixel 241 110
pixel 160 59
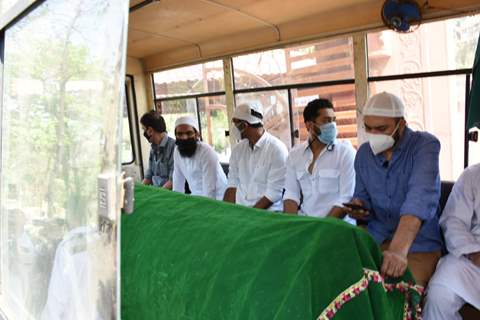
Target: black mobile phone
pixel 354 206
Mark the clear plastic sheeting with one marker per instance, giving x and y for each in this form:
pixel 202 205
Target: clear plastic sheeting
pixel 61 115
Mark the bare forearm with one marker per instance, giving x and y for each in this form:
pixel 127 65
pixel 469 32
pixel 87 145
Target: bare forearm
pixel 337 212
pixel 263 203
pixel 230 195
pixel 405 234
pixel 290 206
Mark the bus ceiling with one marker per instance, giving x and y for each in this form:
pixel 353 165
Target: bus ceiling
pixel 167 33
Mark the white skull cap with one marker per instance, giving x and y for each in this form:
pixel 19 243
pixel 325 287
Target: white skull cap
pixel 384 105
pixel 189 120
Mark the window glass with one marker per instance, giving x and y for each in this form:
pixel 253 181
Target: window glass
pixel 6 5
pixel 275 112
pixel 59 125
pixel 435 46
pixel 127 150
pixel 174 109
pixel 199 78
pixel 343 100
pixel 214 120
pixel 320 61
pixel 436 105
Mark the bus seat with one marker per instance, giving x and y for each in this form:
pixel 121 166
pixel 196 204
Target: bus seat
pixel 445 190
pixel 225 168
pixel 468 312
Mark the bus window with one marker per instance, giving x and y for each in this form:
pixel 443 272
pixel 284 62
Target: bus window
pixel 173 109
pixel 314 62
pixel 191 80
pixel 435 46
pixel 184 91
pixel 214 123
pixel 127 149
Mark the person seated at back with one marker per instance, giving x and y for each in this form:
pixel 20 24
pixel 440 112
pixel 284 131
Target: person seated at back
pixel 457 278
pixel 196 162
pixel 160 162
pixel 398 185
pixel 257 165
pixel 320 169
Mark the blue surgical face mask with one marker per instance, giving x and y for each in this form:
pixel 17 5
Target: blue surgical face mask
pixel 328 133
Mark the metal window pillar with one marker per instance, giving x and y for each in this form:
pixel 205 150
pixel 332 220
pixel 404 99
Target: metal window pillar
pixel 466 131
pixel 229 93
pixel 360 64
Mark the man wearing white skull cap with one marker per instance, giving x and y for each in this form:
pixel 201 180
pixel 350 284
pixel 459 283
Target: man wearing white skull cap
pixel 257 165
pixel 398 189
pixel 196 162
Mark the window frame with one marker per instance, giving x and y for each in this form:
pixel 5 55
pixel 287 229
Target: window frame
pixel 131 102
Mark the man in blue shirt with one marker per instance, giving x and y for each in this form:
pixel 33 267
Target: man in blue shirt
pixel 398 186
pixel 160 162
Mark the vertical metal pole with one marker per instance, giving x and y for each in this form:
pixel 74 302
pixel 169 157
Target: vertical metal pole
pixel 465 133
pixel 198 118
pixel 3 218
pixel 360 64
pixel 229 93
pixel 290 115
pixel 152 92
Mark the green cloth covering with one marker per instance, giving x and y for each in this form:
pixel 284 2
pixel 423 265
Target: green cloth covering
pixel 186 257
pixel 474 109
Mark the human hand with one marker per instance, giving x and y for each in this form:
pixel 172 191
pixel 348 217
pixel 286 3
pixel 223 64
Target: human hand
pixel 394 264
pixel 356 209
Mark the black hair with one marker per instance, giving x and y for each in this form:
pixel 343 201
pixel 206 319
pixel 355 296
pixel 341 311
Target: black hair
pixel 311 110
pixel 155 120
pixel 256 125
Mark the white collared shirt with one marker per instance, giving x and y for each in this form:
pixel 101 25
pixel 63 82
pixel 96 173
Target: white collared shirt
pixel 258 172
pixel 331 183
pixel 202 171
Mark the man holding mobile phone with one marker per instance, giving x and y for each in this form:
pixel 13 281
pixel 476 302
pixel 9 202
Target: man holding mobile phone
pixel 398 188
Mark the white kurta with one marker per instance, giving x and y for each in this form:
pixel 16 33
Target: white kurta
pixel 258 172
pixel 460 222
pixel 202 171
pixel 331 183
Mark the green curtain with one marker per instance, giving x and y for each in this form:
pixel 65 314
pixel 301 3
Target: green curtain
pixel 186 257
pixel 474 109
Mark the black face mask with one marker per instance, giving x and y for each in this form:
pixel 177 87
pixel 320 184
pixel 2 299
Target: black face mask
pixel 186 147
pixel 145 134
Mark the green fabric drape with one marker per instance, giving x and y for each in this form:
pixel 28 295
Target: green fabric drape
pixel 474 108
pixel 186 257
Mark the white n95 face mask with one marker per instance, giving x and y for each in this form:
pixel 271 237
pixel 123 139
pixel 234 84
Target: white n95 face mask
pixel 381 142
pixel 236 134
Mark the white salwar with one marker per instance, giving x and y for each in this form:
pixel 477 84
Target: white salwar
pixel 457 279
